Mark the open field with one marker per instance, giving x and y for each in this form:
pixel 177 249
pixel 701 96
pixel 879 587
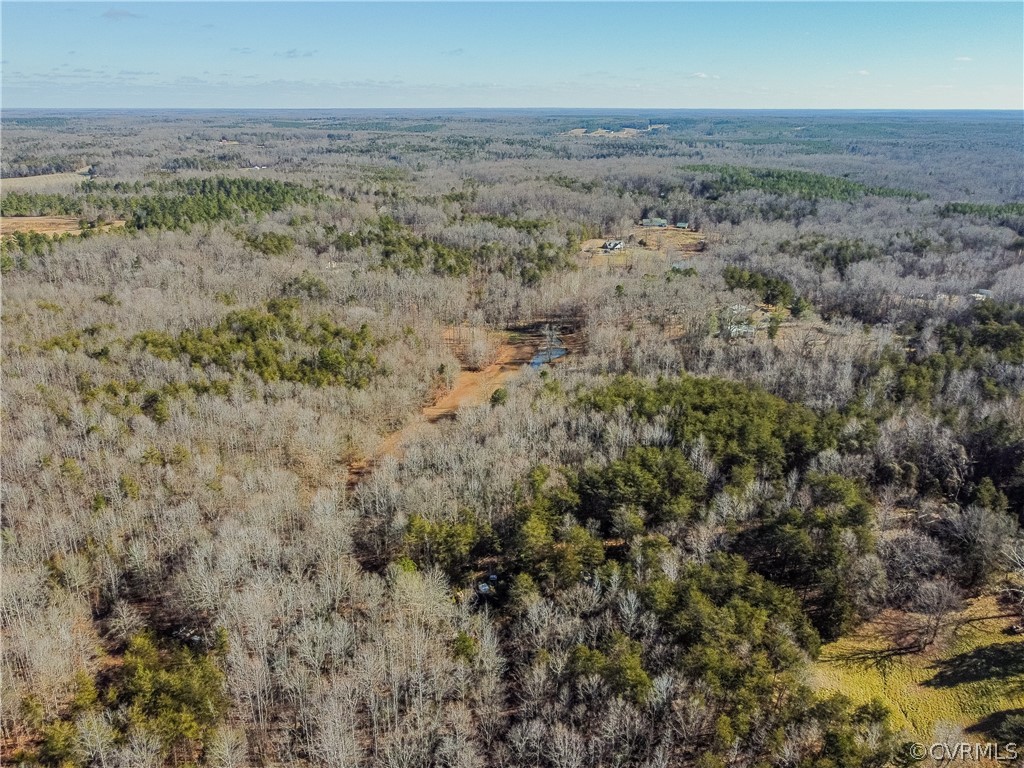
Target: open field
pixel 668 239
pixel 47 225
pixel 651 249
pixel 975 671
pixel 49 182
pixel 643 259
pixel 622 133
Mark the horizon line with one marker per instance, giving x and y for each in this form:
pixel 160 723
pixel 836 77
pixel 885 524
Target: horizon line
pixel 508 109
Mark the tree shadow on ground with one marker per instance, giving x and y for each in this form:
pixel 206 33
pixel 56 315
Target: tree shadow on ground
pixel 1006 726
pixel 992 662
pixel 902 638
pixel 879 658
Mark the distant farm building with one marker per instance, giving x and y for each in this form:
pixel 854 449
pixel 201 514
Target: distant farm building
pixel 613 245
pixel 982 294
pixel 682 225
pixel 653 222
pixel 739 331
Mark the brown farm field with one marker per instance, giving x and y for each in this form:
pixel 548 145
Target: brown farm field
pixel 667 239
pixel 48 225
pixel 646 248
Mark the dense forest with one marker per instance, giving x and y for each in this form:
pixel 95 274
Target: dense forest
pixel 390 439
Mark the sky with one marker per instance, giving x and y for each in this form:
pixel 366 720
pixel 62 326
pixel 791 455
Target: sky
pixel 656 55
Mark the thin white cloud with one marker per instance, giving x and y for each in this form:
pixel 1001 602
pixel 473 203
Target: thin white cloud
pixel 863 72
pixel 120 14
pixel 962 58
pixel 295 53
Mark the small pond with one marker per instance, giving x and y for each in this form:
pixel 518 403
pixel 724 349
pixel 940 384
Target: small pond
pixel 547 355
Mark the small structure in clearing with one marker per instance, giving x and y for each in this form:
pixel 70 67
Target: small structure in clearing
pixel 648 249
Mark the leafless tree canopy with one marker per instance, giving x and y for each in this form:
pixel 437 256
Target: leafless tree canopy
pixel 281 486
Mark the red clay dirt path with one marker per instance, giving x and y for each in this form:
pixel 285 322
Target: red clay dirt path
pixel 476 387
pixel 469 388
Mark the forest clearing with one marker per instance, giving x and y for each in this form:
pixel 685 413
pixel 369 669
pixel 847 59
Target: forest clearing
pixel 49 225
pixel 626 132
pixel 964 683
pixel 470 387
pixel 475 387
pixel 513 353
pixel 644 248
pixel 45 182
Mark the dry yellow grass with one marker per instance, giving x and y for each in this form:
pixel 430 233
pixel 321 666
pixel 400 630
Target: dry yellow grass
pixel 643 259
pixel 666 239
pixel 50 182
pixel 47 225
pixel 975 671
pixel 650 249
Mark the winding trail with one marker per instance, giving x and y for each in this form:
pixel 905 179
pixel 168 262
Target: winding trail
pixel 470 388
pixel 476 387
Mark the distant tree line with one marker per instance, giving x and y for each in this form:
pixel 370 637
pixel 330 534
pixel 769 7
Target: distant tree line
pixel 726 179
pixel 177 204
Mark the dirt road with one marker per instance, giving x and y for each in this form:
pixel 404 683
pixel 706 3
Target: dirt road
pixel 469 388
pixel 476 387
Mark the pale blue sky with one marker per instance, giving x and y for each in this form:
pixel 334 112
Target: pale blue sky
pixel 842 55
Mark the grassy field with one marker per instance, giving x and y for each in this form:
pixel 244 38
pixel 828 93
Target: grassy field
pixel 975 672
pixel 621 133
pixel 660 248
pixel 48 225
pixel 49 182
pixel 645 260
